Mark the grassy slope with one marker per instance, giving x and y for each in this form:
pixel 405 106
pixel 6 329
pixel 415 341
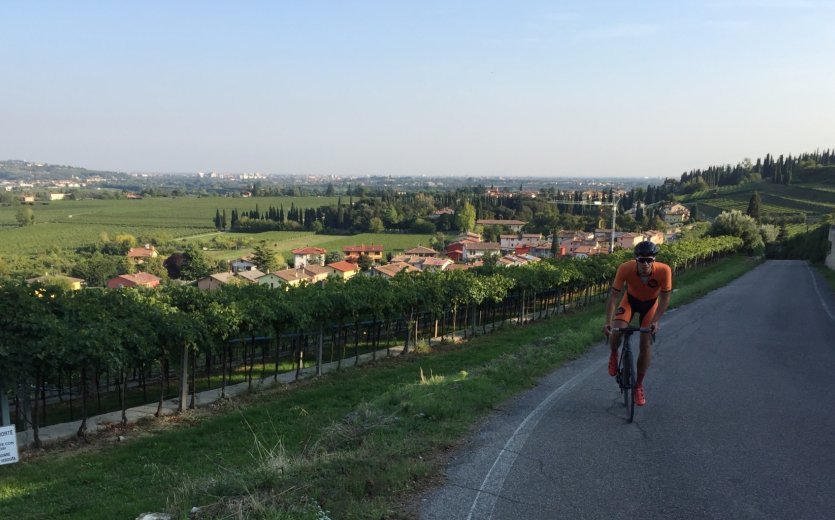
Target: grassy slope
pixel 358 441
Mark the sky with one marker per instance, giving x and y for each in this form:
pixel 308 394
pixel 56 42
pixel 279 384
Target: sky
pixel 467 88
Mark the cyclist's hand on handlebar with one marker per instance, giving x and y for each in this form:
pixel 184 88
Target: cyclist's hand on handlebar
pixel 607 329
pixel 654 328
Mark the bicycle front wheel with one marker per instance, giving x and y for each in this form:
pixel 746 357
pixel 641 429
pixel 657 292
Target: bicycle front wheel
pixel 629 381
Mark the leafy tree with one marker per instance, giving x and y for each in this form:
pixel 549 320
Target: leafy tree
pixel 124 241
pixel 365 262
pixel 97 269
pixel 265 258
pixel 375 225
pixel 465 217
pixel 734 223
pixel 25 216
pixel 438 242
pixel 332 256
pixel 155 267
pixel 195 264
pixel 422 227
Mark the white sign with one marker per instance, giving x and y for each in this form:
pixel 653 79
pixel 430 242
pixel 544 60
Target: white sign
pixel 8 445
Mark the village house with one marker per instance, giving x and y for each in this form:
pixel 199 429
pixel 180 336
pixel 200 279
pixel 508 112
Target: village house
pixel 308 255
pixel 655 236
pixel 270 280
pixel 140 254
pixel 511 242
pixel 344 270
pixel 544 250
pixel 318 273
pixel 435 264
pixel 242 264
pixel 628 240
pixel 353 253
pixel 409 259
pixel 74 284
pixel 475 250
pixel 392 269
pixel 675 214
pixel 585 251
pixel 513 225
pixel 133 280
pixel 443 211
pixel 214 281
pixel 250 276
pixel 469 235
pixel 292 277
pixel 455 251
pixel 465 267
pixel 421 251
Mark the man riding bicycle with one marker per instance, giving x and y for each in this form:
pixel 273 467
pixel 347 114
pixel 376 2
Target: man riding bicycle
pixel 648 288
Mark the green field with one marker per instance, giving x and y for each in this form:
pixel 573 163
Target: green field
pixel 70 223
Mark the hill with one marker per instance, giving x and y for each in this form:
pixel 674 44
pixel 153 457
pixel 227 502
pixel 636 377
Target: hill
pixel 25 170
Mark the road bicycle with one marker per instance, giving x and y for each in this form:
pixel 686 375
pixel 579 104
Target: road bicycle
pixel 627 372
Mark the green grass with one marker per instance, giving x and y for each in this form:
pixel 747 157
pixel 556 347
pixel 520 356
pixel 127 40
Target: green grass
pixel 73 223
pixel 828 275
pixel 354 443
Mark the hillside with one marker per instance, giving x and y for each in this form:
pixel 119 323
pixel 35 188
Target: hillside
pixel 25 170
pixel 798 204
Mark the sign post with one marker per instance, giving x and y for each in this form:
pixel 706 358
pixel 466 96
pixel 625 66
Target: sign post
pixel 8 445
pixel 5 417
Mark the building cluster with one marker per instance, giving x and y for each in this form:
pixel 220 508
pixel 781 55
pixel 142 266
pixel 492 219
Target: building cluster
pixel 466 251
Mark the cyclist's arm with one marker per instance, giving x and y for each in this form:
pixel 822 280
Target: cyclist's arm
pixel 663 303
pixel 618 286
pixel 614 298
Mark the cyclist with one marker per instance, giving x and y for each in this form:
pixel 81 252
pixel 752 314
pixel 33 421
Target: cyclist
pixel 648 288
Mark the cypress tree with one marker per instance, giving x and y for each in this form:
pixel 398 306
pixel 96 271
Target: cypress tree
pixel 754 206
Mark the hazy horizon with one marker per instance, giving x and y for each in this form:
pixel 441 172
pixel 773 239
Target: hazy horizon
pixel 570 89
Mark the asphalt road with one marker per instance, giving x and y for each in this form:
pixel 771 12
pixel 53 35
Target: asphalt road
pixel 739 421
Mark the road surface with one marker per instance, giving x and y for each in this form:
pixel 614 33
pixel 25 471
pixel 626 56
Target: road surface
pixel 739 421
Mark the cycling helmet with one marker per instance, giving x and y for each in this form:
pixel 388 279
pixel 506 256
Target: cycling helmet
pixel 646 248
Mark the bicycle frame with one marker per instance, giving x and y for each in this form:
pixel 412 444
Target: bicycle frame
pixel 626 376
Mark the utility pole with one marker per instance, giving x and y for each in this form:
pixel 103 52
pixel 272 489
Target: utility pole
pixel 614 205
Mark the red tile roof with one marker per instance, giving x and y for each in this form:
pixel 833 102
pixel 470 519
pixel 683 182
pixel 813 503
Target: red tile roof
pixel 344 266
pixel 309 251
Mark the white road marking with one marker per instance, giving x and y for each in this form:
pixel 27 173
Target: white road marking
pixel 494 481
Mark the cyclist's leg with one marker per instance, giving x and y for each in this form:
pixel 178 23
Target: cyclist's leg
pixel 623 315
pixel 645 356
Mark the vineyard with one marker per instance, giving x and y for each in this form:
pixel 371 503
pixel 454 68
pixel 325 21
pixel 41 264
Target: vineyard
pixel 778 201
pixel 69 354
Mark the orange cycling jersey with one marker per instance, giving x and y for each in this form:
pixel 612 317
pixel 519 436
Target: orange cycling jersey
pixel 660 280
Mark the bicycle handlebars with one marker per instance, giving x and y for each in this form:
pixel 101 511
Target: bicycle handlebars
pixel 632 329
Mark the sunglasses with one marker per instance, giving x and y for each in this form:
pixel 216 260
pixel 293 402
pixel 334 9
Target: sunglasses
pixel 645 260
